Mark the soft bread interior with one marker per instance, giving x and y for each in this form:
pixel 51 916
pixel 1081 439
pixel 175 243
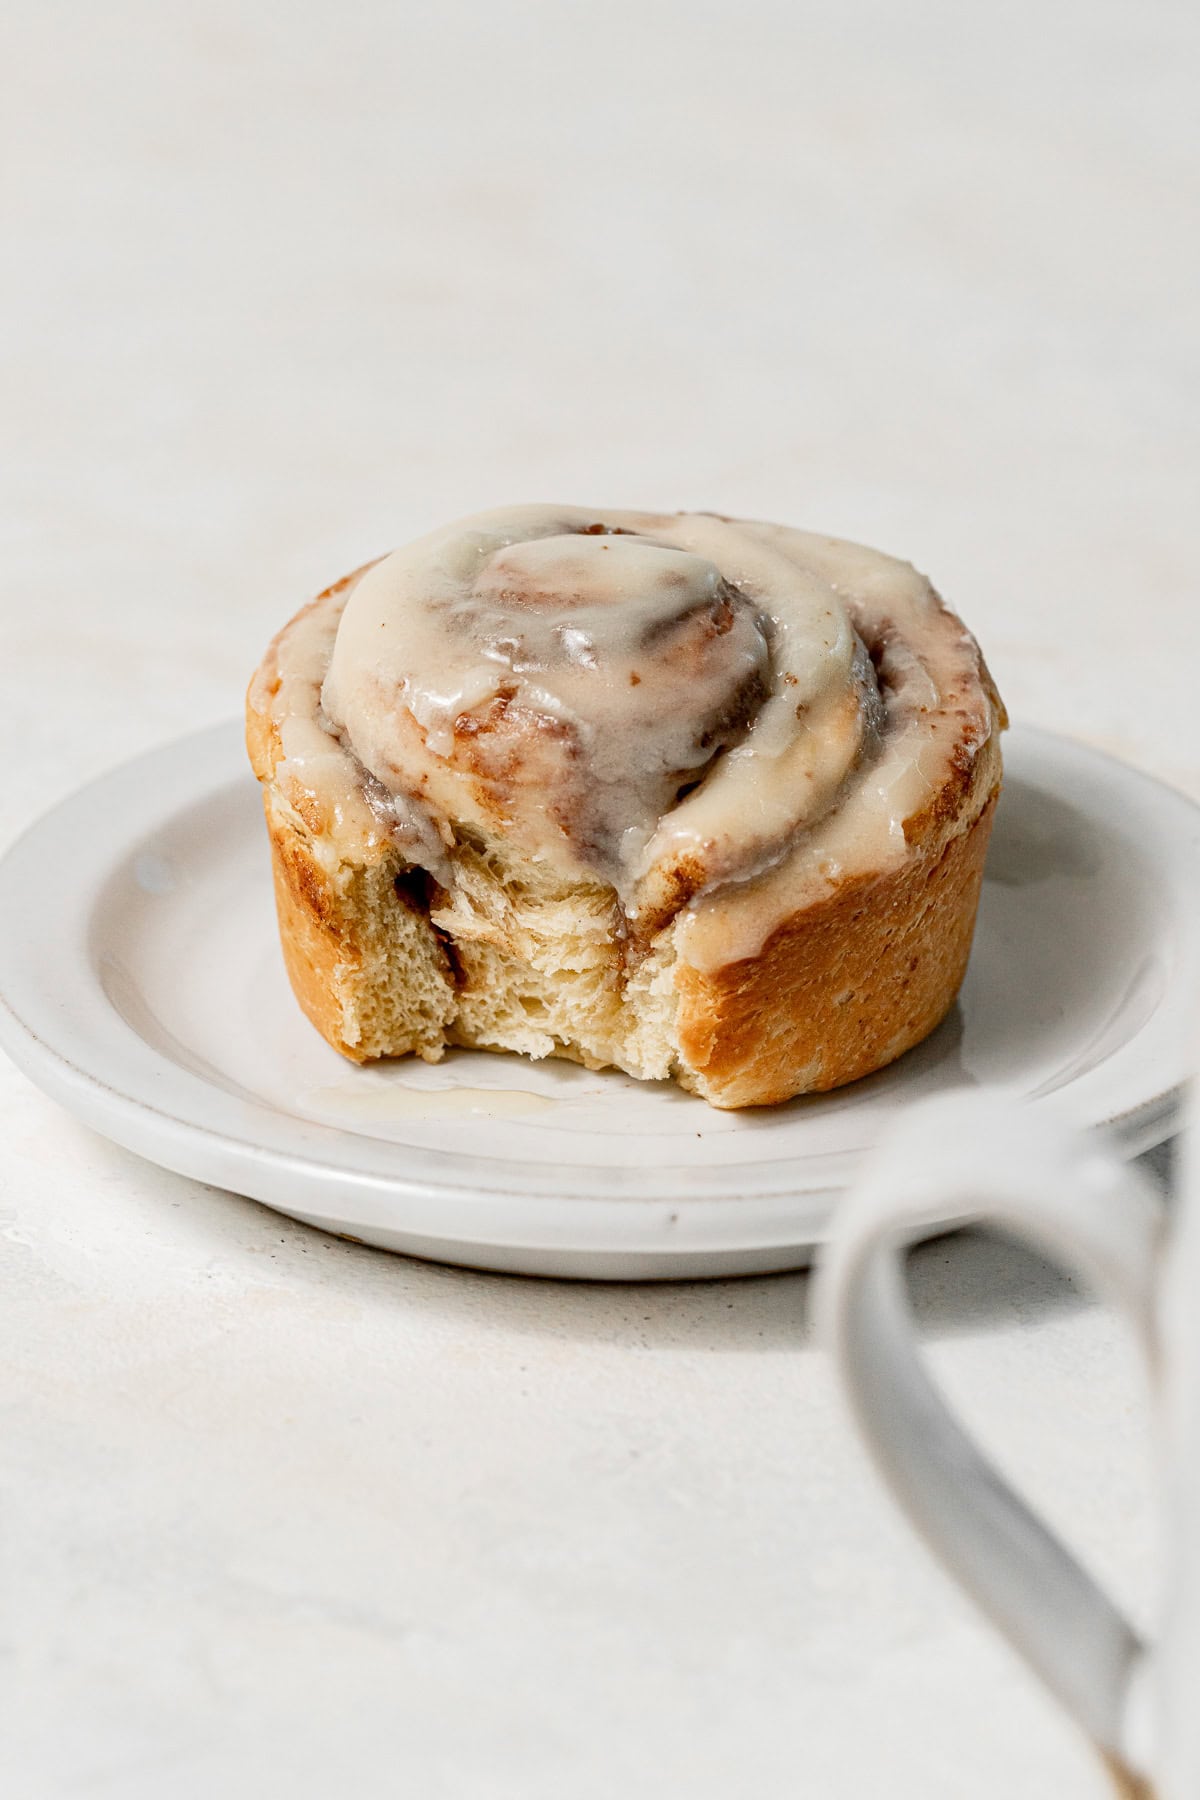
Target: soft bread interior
pixel 542 968
pixel 513 957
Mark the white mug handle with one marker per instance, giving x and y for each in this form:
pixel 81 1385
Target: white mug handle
pixel 978 1158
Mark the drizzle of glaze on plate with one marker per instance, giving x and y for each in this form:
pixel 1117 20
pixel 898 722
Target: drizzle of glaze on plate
pixel 379 1102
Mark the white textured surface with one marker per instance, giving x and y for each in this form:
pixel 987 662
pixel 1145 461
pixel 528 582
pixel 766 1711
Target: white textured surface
pixel 282 286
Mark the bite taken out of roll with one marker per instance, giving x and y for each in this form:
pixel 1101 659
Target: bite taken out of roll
pixel 677 794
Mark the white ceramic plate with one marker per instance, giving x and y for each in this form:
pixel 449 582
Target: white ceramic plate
pixel 141 985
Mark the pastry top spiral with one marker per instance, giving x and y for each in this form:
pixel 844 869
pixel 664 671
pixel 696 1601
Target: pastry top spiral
pixel 700 712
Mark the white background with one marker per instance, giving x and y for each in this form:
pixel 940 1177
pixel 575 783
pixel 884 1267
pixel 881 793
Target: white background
pixel 281 286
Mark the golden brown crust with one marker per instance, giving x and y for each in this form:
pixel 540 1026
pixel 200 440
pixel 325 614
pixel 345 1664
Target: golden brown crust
pixel 323 903
pixel 315 931
pixel 314 934
pixel 844 987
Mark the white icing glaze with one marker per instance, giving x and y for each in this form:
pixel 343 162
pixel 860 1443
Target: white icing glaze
pixel 637 658
pixel 314 769
pixel 718 715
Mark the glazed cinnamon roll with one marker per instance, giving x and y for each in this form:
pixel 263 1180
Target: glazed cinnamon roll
pixel 684 795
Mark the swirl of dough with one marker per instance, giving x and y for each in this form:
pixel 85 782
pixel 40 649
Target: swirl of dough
pixel 660 702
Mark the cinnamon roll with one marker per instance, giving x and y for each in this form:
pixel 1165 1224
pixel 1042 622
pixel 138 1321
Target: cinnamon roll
pixel 684 795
